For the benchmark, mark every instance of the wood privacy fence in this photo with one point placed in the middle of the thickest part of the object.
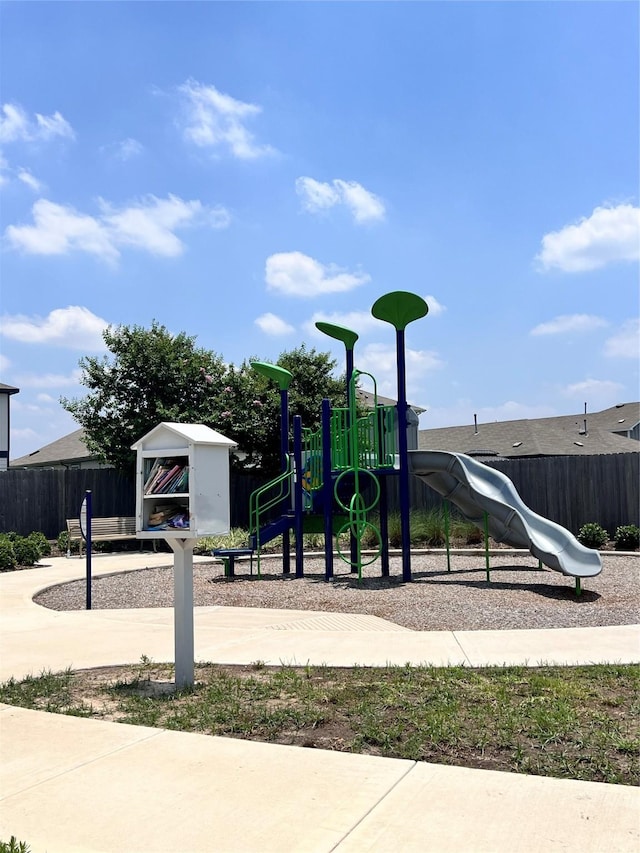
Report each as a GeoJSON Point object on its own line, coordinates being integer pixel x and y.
{"type": "Point", "coordinates": [42, 499]}
{"type": "Point", "coordinates": [571, 490]}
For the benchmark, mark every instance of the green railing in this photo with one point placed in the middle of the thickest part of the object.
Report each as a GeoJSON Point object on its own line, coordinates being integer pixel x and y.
{"type": "Point", "coordinates": [375, 441]}
{"type": "Point", "coordinates": [265, 498]}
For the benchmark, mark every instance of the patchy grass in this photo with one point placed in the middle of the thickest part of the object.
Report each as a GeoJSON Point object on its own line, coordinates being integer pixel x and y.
{"type": "Point", "coordinates": [571, 722]}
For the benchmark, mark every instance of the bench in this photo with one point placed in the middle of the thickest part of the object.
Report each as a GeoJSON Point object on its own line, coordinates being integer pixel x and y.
{"type": "Point", "coordinates": [104, 529]}
{"type": "Point", "coordinates": [228, 556]}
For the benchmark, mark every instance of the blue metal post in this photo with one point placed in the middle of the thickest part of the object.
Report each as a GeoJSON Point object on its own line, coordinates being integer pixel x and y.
{"type": "Point", "coordinates": [327, 489]}
{"type": "Point", "coordinates": [297, 495]}
{"type": "Point", "coordinates": [284, 453]}
{"type": "Point", "coordinates": [403, 453]}
{"type": "Point", "coordinates": [88, 548]}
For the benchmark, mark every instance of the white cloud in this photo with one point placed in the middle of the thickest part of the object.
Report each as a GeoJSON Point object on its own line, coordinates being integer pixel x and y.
{"type": "Point", "coordinates": [364, 205]}
{"type": "Point", "coordinates": [58, 229]}
{"type": "Point", "coordinates": [128, 148]}
{"type": "Point", "coordinates": [215, 120]}
{"type": "Point", "coordinates": [74, 327]}
{"type": "Point", "coordinates": [316, 195]}
{"type": "Point", "coordinates": [567, 324]}
{"type": "Point", "coordinates": [27, 178]}
{"type": "Point", "coordinates": [46, 398]}
{"type": "Point", "coordinates": [296, 274]}
{"type": "Point", "coordinates": [55, 125]}
{"type": "Point", "coordinates": [380, 361]}
{"type": "Point", "coordinates": [609, 234]}
{"type": "Point", "coordinates": [625, 343]}
{"type": "Point", "coordinates": [435, 308]}
{"type": "Point", "coordinates": [15, 125]}
{"type": "Point", "coordinates": [148, 224]}
{"type": "Point", "coordinates": [273, 325]}
{"type": "Point", "coordinates": [594, 388]}
{"type": "Point", "coordinates": [124, 150]}
{"type": "Point", "coordinates": [5, 364]}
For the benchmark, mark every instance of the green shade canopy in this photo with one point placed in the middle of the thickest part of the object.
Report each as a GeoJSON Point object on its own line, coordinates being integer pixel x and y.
{"type": "Point", "coordinates": [399, 308]}
{"type": "Point", "coordinates": [272, 371]}
{"type": "Point", "coordinates": [347, 337]}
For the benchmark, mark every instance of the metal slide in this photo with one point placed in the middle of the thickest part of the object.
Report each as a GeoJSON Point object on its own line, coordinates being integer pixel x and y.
{"type": "Point", "coordinates": [476, 488]}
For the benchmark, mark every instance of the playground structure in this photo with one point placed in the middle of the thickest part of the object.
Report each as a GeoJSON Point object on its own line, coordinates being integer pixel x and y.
{"type": "Point", "coordinates": [334, 478]}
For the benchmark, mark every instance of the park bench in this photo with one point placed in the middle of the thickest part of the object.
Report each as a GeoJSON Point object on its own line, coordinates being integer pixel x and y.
{"type": "Point", "coordinates": [228, 557]}
{"type": "Point", "coordinates": [104, 529]}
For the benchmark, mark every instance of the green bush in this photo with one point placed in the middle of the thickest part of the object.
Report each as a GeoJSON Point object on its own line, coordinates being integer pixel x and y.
{"type": "Point", "coordinates": [26, 551]}
{"type": "Point", "coordinates": [62, 543]}
{"type": "Point", "coordinates": [593, 535]}
{"type": "Point", "coordinates": [41, 541]}
{"type": "Point", "coordinates": [14, 846]}
{"type": "Point", "coordinates": [627, 537]}
{"type": "Point", "coordinates": [7, 554]}
{"type": "Point", "coordinates": [235, 538]}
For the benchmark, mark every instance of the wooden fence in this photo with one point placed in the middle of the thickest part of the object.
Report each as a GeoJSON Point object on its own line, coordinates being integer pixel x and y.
{"type": "Point", "coordinates": [571, 490]}
{"type": "Point", "coordinates": [42, 499]}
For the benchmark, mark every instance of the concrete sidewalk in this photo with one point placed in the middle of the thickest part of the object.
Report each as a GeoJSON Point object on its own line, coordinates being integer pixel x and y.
{"type": "Point", "coordinates": [69, 784]}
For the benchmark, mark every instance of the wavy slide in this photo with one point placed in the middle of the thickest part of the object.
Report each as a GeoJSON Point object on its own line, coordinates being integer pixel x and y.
{"type": "Point", "coordinates": [476, 488]}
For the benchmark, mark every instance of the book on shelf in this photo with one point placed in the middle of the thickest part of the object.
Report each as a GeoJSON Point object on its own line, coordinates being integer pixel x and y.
{"type": "Point", "coordinates": [164, 475]}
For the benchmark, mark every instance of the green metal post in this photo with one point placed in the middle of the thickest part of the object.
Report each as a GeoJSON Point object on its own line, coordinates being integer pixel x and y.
{"type": "Point", "coordinates": [578, 587]}
{"type": "Point", "coordinates": [486, 545]}
{"type": "Point", "coordinates": [446, 534]}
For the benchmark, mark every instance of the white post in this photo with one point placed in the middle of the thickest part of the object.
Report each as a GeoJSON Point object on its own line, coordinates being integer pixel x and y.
{"type": "Point", "coordinates": [183, 610]}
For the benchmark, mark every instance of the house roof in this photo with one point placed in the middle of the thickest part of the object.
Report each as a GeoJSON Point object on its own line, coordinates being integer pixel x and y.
{"type": "Point", "coordinates": [367, 399]}
{"type": "Point", "coordinates": [560, 436]}
{"type": "Point", "coordinates": [70, 449]}
{"type": "Point", "coordinates": [8, 389]}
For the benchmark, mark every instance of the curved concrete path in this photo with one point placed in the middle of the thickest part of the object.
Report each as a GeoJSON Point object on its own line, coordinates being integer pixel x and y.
{"type": "Point", "coordinates": [69, 784]}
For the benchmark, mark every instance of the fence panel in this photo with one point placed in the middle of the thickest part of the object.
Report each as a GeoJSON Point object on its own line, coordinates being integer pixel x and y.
{"type": "Point", "coordinates": [571, 490]}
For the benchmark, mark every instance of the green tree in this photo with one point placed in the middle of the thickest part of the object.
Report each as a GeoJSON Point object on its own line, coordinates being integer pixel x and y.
{"type": "Point", "coordinates": [252, 403]}
{"type": "Point", "coordinates": [150, 376]}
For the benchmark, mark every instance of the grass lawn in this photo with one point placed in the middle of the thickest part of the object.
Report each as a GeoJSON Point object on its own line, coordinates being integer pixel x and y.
{"type": "Point", "coordinates": [571, 722]}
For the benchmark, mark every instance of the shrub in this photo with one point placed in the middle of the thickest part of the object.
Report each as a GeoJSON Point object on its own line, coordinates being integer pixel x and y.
{"type": "Point", "coordinates": [62, 543]}
{"type": "Point", "coordinates": [466, 531]}
{"type": "Point", "coordinates": [41, 541]}
{"type": "Point", "coordinates": [627, 537]}
{"type": "Point", "coordinates": [593, 535]}
{"type": "Point", "coordinates": [26, 551]}
{"type": "Point", "coordinates": [235, 538]}
{"type": "Point", "coordinates": [7, 554]}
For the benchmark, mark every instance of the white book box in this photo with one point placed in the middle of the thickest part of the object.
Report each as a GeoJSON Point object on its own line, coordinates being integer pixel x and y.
{"type": "Point", "coordinates": [182, 482]}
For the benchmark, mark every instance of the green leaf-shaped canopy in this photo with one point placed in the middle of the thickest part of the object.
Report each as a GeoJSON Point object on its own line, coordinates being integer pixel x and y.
{"type": "Point", "coordinates": [272, 371]}
{"type": "Point", "coordinates": [340, 333]}
{"type": "Point", "coordinates": [399, 308]}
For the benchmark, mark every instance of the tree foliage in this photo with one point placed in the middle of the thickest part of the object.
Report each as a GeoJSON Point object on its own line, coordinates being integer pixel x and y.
{"type": "Point", "coordinates": [150, 376]}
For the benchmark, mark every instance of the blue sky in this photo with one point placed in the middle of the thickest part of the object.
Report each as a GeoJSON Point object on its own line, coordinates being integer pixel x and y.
{"type": "Point", "coordinates": [238, 171]}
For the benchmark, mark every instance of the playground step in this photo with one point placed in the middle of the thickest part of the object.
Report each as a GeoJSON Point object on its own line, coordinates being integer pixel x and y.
{"type": "Point", "coordinates": [228, 557]}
